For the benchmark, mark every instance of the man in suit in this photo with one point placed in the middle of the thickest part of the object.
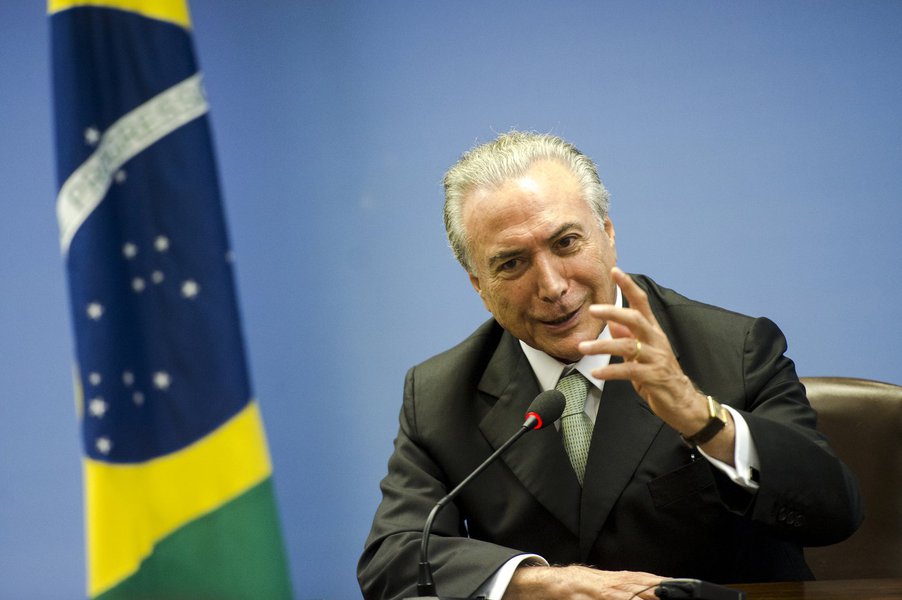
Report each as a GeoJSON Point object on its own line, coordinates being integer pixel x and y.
{"type": "Point", "coordinates": [703, 460]}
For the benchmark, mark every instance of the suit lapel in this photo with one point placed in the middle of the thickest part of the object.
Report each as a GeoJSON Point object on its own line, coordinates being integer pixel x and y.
{"type": "Point", "coordinates": [538, 460]}
{"type": "Point", "coordinates": [624, 429]}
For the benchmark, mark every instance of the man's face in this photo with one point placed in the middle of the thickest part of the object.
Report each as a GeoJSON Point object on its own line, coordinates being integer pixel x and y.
{"type": "Point", "coordinates": [539, 258]}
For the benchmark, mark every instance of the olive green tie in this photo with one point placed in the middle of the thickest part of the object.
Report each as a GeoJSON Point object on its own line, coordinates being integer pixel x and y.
{"type": "Point", "coordinates": [576, 426]}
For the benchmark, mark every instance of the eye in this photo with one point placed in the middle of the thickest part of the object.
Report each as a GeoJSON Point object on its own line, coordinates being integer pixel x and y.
{"type": "Point", "coordinates": [566, 242]}
{"type": "Point", "coordinates": [509, 265]}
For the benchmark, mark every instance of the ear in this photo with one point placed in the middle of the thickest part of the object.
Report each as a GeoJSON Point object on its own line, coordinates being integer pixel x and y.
{"type": "Point", "coordinates": [609, 230]}
{"type": "Point", "coordinates": [612, 235]}
{"type": "Point", "coordinates": [474, 281]}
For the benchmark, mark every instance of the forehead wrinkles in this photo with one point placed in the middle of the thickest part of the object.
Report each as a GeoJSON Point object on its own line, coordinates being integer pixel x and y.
{"type": "Point", "coordinates": [521, 209]}
{"type": "Point", "coordinates": [514, 203]}
{"type": "Point", "coordinates": [496, 225]}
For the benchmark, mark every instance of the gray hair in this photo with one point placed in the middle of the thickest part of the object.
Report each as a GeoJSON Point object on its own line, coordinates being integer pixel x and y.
{"type": "Point", "coordinates": [507, 157]}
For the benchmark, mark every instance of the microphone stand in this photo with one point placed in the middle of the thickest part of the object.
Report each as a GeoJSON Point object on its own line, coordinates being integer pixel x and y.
{"type": "Point", "coordinates": [425, 583]}
{"type": "Point", "coordinates": [547, 406]}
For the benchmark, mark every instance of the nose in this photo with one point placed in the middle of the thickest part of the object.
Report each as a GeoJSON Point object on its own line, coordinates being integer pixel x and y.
{"type": "Point", "coordinates": [551, 280]}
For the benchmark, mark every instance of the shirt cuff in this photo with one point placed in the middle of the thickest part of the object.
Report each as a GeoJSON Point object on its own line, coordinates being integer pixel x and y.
{"type": "Point", "coordinates": [495, 586]}
{"type": "Point", "coordinates": [745, 455]}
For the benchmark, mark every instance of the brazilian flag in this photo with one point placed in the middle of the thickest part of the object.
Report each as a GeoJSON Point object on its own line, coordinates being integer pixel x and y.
{"type": "Point", "coordinates": [178, 480]}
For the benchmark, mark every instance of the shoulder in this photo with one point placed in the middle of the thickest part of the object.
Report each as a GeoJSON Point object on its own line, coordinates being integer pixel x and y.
{"type": "Point", "coordinates": [456, 372]}
{"type": "Point", "coordinates": [680, 315]}
{"type": "Point", "coordinates": [444, 388]}
{"type": "Point", "coordinates": [692, 325]}
{"type": "Point", "coordinates": [722, 351]}
{"type": "Point", "coordinates": [475, 349]}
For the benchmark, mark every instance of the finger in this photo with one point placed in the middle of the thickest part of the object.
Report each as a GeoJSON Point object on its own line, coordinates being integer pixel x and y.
{"type": "Point", "coordinates": [637, 352]}
{"type": "Point", "coordinates": [637, 324]}
{"type": "Point", "coordinates": [628, 370]}
{"type": "Point", "coordinates": [619, 331]}
{"type": "Point", "coordinates": [635, 296]}
{"type": "Point", "coordinates": [627, 347]}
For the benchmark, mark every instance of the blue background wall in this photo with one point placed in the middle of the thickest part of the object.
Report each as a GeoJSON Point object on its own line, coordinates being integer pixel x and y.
{"type": "Point", "coordinates": [753, 151]}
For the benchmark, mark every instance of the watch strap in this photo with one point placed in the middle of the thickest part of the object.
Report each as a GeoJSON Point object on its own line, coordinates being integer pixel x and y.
{"type": "Point", "coordinates": [717, 420]}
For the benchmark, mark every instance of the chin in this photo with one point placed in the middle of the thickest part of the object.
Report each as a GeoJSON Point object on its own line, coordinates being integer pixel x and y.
{"type": "Point", "coordinates": [565, 355]}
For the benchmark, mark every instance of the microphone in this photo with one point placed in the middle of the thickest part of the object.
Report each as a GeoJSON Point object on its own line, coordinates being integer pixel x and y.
{"type": "Point", "coordinates": [546, 408]}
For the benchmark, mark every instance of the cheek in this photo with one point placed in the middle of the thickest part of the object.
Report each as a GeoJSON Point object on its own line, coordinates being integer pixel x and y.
{"type": "Point", "coordinates": [609, 254]}
{"type": "Point", "coordinates": [505, 298]}
{"type": "Point", "coordinates": [599, 263]}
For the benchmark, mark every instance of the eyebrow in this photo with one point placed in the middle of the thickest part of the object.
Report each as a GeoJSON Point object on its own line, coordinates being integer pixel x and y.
{"type": "Point", "coordinates": [505, 255]}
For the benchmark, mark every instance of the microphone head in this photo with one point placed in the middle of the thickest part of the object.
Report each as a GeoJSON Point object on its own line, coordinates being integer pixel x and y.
{"type": "Point", "coordinates": [546, 408]}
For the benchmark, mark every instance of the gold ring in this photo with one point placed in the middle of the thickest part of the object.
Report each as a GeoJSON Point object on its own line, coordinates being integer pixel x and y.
{"type": "Point", "coordinates": [638, 351]}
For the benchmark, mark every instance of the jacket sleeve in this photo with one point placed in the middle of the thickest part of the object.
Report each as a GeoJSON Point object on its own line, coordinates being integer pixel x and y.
{"type": "Point", "coordinates": [414, 484]}
{"type": "Point", "coordinates": [806, 493]}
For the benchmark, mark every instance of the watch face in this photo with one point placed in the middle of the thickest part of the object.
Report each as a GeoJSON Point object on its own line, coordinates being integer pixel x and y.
{"type": "Point", "coordinates": [716, 410]}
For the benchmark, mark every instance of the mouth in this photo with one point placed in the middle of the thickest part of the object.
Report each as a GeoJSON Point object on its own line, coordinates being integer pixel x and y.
{"type": "Point", "coordinates": [562, 321]}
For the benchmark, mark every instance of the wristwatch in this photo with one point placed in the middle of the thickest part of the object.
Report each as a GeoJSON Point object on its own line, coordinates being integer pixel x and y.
{"type": "Point", "coordinates": [717, 420]}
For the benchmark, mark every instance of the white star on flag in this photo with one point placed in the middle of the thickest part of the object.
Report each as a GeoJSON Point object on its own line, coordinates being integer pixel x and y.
{"type": "Point", "coordinates": [97, 407]}
{"type": "Point", "coordinates": [129, 250]}
{"type": "Point", "coordinates": [161, 380]}
{"type": "Point", "coordinates": [92, 136]}
{"type": "Point", "coordinates": [95, 378]}
{"type": "Point", "coordinates": [95, 311]}
{"type": "Point", "coordinates": [161, 243]}
{"type": "Point", "coordinates": [138, 284]}
{"type": "Point", "coordinates": [190, 289]}
{"type": "Point", "coordinates": [104, 445]}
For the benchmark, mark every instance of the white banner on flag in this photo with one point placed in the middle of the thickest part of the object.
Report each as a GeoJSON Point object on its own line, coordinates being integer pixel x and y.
{"type": "Point", "coordinates": [84, 190]}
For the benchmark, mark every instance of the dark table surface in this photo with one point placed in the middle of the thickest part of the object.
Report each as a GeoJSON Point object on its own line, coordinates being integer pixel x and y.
{"type": "Point", "coordinates": [857, 589]}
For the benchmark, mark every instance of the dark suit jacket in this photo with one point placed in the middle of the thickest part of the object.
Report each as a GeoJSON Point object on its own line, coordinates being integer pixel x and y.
{"type": "Point", "coordinates": [649, 502]}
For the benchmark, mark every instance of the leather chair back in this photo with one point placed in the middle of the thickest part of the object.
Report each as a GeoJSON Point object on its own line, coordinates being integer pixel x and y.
{"type": "Point", "coordinates": [863, 421]}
